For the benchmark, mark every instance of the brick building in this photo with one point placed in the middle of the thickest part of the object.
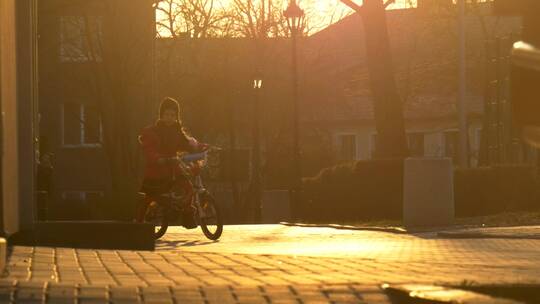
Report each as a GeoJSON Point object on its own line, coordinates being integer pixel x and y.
{"type": "Point", "coordinates": [93, 56]}
{"type": "Point", "coordinates": [424, 49]}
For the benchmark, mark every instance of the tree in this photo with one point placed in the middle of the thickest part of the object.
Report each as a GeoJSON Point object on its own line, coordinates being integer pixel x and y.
{"type": "Point", "coordinates": [192, 18]}
{"type": "Point", "coordinates": [387, 104]}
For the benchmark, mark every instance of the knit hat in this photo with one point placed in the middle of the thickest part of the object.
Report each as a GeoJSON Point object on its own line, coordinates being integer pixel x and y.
{"type": "Point", "coordinates": [169, 103]}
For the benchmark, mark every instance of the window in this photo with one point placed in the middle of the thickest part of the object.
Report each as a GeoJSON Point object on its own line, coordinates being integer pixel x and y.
{"type": "Point", "coordinates": [451, 144]}
{"type": "Point", "coordinates": [81, 125]}
{"type": "Point", "coordinates": [347, 147]}
{"type": "Point", "coordinates": [80, 38]}
{"type": "Point", "coordinates": [416, 144]}
{"type": "Point", "coordinates": [478, 136]}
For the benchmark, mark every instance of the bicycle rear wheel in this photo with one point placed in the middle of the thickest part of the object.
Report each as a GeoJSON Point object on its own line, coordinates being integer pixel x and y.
{"type": "Point", "coordinates": [210, 218]}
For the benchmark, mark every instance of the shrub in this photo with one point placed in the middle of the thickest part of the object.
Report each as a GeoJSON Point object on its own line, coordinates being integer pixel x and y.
{"type": "Point", "coordinates": [360, 190]}
{"type": "Point", "coordinates": [374, 190]}
{"type": "Point", "coordinates": [489, 190]}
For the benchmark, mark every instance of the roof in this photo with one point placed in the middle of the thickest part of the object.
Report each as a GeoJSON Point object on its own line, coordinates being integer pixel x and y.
{"type": "Point", "coordinates": [424, 50]}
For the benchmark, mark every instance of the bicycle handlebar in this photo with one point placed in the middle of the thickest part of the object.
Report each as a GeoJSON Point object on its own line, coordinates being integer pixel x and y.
{"type": "Point", "coordinates": [191, 157]}
{"type": "Point", "coordinates": [194, 156]}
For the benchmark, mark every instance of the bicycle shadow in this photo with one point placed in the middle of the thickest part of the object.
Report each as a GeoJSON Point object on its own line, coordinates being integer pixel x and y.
{"type": "Point", "coordinates": [172, 244]}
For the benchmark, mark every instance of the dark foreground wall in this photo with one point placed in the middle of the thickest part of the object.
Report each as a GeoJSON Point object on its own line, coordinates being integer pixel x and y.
{"type": "Point", "coordinates": [18, 78]}
{"type": "Point", "coordinates": [8, 103]}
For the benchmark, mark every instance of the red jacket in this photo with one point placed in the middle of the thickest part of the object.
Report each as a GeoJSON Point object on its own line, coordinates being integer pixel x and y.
{"type": "Point", "coordinates": [159, 141]}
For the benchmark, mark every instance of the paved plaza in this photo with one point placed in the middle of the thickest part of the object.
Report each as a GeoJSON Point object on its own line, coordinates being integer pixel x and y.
{"type": "Point", "coordinates": [271, 264]}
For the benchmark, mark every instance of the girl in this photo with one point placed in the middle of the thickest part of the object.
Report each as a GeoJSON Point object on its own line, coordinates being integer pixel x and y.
{"type": "Point", "coordinates": [161, 142]}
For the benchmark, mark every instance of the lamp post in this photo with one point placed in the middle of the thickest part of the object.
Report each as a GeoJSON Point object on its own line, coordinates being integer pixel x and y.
{"type": "Point", "coordinates": [256, 170]}
{"type": "Point", "coordinates": [462, 109]}
{"type": "Point", "coordinates": [295, 15]}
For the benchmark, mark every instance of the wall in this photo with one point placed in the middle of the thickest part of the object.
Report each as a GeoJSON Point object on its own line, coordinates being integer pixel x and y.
{"type": "Point", "coordinates": [8, 99]}
{"type": "Point", "coordinates": [123, 74]}
{"type": "Point", "coordinates": [27, 91]}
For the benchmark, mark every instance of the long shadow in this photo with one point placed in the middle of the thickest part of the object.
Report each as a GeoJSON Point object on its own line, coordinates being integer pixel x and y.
{"type": "Point", "coordinates": [167, 244]}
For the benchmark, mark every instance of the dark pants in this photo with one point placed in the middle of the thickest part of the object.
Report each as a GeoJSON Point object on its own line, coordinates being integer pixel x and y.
{"type": "Point", "coordinates": [152, 189]}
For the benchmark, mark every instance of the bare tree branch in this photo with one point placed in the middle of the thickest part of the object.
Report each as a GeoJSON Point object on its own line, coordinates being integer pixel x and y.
{"type": "Point", "coordinates": [388, 2]}
{"type": "Point", "coordinates": [357, 8]}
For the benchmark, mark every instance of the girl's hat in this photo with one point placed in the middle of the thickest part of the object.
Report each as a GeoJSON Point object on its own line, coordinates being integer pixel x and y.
{"type": "Point", "coordinates": [169, 103]}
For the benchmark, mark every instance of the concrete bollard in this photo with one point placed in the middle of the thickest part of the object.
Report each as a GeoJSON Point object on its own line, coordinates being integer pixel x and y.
{"type": "Point", "coordinates": [275, 206]}
{"type": "Point", "coordinates": [428, 192]}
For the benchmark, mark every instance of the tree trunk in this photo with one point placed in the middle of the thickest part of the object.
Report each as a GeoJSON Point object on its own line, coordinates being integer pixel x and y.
{"type": "Point", "coordinates": [387, 104]}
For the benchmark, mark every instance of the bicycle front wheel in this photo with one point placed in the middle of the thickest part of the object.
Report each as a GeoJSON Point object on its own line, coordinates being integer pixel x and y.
{"type": "Point", "coordinates": [210, 218]}
{"type": "Point", "coordinates": [157, 215]}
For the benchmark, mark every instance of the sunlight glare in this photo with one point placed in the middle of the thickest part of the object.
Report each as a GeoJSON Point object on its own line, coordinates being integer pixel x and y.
{"type": "Point", "coordinates": [319, 13]}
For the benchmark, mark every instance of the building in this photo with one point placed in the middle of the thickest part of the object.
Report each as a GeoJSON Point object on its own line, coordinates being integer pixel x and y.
{"type": "Point", "coordinates": [96, 84]}
{"type": "Point", "coordinates": [526, 67]}
{"type": "Point", "coordinates": [336, 104]}
{"type": "Point", "coordinates": [425, 60]}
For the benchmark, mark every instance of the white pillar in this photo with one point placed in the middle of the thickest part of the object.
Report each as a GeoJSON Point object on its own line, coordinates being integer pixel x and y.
{"type": "Point", "coordinates": [428, 192]}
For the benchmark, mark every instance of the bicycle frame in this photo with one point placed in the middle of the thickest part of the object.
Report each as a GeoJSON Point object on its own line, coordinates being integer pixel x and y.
{"type": "Point", "coordinates": [195, 183]}
{"type": "Point", "coordinates": [185, 195]}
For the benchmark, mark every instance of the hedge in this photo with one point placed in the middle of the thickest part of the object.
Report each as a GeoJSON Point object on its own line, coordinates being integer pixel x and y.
{"type": "Point", "coordinates": [360, 190]}
{"type": "Point", "coordinates": [489, 190]}
{"type": "Point", "coordinates": [374, 190]}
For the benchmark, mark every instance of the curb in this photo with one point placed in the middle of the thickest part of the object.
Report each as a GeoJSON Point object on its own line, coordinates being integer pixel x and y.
{"type": "Point", "coordinates": [433, 294]}
{"type": "Point", "coordinates": [442, 232]}
{"type": "Point", "coordinates": [397, 230]}
{"type": "Point", "coordinates": [481, 235]}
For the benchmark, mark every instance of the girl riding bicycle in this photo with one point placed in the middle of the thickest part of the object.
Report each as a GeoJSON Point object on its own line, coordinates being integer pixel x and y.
{"type": "Point", "coordinates": [161, 143]}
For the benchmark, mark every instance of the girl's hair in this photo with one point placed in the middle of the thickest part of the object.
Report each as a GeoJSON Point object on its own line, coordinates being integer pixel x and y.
{"type": "Point", "coordinates": [169, 103]}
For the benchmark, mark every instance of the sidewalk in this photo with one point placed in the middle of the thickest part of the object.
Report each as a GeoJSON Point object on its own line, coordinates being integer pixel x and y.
{"type": "Point", "coordinates": [161, 277]}
{"type": "Point", "coordinates": [266, 264]}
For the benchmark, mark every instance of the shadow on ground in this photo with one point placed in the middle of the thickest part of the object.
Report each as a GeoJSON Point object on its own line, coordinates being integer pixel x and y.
{"type": "Point", "coordinates": [172, 245]}
{"type": "Point", "coordinates": [526, 293]}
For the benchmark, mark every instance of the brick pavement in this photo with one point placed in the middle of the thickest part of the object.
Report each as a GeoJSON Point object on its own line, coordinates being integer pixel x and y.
{"type": "Point", "coordinates": [203, 272]}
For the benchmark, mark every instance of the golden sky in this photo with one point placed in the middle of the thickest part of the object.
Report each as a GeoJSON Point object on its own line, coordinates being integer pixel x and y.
{"type": "Point", "coordinates": [322, 12]}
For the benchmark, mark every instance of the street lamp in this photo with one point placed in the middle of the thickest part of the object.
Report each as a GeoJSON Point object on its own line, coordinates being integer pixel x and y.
{"type": "Point", "coordinates": [462, 115]}
{"type": "Point", "coordinates": [295, 16]}
{"type": "Point", "coordinates": [256, 170]}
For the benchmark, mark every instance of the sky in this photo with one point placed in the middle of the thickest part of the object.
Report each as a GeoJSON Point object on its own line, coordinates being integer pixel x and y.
{"type": "Point", "coordinates": [324, 12]}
